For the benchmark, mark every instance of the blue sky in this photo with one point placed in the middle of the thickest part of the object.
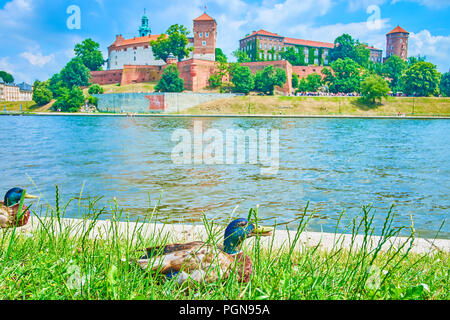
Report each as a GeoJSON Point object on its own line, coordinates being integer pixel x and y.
{"type": "Point", "coordinates": [35, 41]}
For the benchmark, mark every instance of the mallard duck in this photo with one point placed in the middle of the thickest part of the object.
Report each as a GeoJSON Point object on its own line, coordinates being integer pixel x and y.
{"type": "Point", "coordinates": [9, 209]}
{"type": "Point", "coordinates": [204, 262]}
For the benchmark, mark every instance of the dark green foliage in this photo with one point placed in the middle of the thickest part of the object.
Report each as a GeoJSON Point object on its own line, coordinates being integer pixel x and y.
{"type": "Point", "coordinates": [295, 80]}
{"type": "Point", "coordinates": [268, 78]}
{"type": "Point", "coordinates": [41, 93]}
{"type": "Point", "coordinates": [220, 56]}
{"type": "Point", "coordinates": [311, 83]}
{"type": "Point", "coordinates": [170, 80]}
{"type": "Point", "coordinates": [393, 68]}
{"type": "Point", "coordinates": [92, 100]}
{"type": "Point", "coordinates": [75, 73]}
{"type": "Point", "coordinates": [373, 88]}
{"type": "Point", "coordinates": [90, 54]}
{"type": "Point", "coordinates": [445, 84]}
{"type": "Point", "coordinates": [346, 77]}
{"type": "Point", "coordinates": [174, 42]}
{"type": "Point", "coordinates": [421, 79]}
{"type": "Point", "coordinates": [6, 77]}
{"type": "Point", "coordinates": [70, 100]}
{"type": "Point", "coordinates": [346, 47]}
{"type": "Point", "coordinates": [95, 89]}
{"type": "Point", "coordinates": [295, 58]}
{"type": "Point", "coordinates": [215, 80]}
{"type": "Point", "coordinates": [241, 56]}
{"type": "Point", "coordinates": [242, 78]}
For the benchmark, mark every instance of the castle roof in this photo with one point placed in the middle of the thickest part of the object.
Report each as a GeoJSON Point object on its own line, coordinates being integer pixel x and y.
{"type": "Point", "coordinates": [264, 33]}
{"type": "Point", "coordinates": [204, 17]}
{"type": "Point", "coordinates": [309, 43]}
{"type": "Point", "coordinates": [120, 41]}
{"type": "Point", "coordinates": [398, 29]}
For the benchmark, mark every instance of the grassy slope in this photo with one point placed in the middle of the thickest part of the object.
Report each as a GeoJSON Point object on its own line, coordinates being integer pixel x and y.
{"type": "Point", "coordinates": [43, 265]}
{"type": "Point", "coordinates": [322, 106]}
{"type": "Point", "coordinates": [138, 87]}
{"type": "Point", "coordinates": [27, 106]}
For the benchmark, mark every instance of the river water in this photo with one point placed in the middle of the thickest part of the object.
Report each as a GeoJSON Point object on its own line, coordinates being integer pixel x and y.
{"type": "Point", "coordinates": [335, 164]}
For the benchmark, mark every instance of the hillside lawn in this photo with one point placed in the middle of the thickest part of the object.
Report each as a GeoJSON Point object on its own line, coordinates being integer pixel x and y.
{"type": "Point", "coordinates": [281, 105]}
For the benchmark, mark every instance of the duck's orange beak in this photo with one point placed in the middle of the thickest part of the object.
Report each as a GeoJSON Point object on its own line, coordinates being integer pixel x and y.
{"type": "Point", "coordinates": [30, 196]}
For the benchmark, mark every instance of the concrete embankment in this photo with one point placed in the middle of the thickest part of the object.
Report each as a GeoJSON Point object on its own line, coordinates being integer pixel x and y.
{"type": "Point", "coordinates": [281, 239]}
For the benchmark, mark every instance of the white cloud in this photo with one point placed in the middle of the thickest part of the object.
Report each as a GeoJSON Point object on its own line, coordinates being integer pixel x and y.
{"type": "Point", "coordinates": [14, 12]}
{"type": "Point", "coordinates": [435, 48]}
{"type": "Point", "coordinates": [37, 59]}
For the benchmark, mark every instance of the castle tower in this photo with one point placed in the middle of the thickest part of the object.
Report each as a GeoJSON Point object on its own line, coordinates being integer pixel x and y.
{"type": "Point", "coordinates": [205, 35]}
{"type": "Point", "coordinates": [397, 43]}
{"type": "Point", "coordinates": [144, 29]}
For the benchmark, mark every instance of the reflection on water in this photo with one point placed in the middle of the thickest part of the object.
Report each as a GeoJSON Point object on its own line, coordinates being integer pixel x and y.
{"type": "Point", "coordinates": [335, 164]}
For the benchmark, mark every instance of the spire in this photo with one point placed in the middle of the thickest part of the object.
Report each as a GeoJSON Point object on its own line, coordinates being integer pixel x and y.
{"type": "Point", "coordinates": [144, 29]}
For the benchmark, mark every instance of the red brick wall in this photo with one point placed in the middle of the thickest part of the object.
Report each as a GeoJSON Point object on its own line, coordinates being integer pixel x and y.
{"type": "Point", "coordinates": [106, 77]}
{"type": "Point", "coordinates": [304, 71]}
{"type": "Point", "coordinates": [283, 64]}
{"type": "Point", "coordinates": [196, 73]}
{"type": "Point", "coordinates": [203, 27]}
{"type": "Point", "coordinates": [138, 74]}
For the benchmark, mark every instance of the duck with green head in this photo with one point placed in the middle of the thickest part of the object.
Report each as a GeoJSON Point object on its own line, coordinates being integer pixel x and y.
{"type": "Point", "coordinates": [9, 209]}
{"type": "Point", "coordinates": [204, 262]}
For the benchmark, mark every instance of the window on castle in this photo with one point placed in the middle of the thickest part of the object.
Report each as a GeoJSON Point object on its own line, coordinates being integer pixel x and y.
{"type": "Point", "coordinates": [203, 43]}
{"type": "Point", "coordinates": [200, 34]}
{"type": "Point", "coordinates": [206, 34]}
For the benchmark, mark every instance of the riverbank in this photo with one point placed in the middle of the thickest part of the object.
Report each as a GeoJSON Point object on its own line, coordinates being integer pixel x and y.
{"type": "Point", "coordinates": [324, 106]}
{"type": "Point", "coordinates": [280, 106]}
{"type": "Point", "coordinates": [57, 258]}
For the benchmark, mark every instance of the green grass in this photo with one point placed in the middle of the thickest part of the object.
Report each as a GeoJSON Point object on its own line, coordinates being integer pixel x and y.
{"type": "Point", "coordinates": [276, 105]}
{"type": "Point", "coordinates": [49, 265]}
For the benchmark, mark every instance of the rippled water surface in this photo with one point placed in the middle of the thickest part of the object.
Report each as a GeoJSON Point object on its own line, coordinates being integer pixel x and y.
{"type": "Point", "coordinates": [335, 164]}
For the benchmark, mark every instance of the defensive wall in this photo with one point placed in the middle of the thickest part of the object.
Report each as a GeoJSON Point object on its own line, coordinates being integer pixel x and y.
{"type": "Point", "coordinates": [154, 102]}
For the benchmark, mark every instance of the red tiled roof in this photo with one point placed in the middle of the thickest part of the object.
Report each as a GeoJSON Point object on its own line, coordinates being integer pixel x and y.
{"type": "Point", "coordinates": [371, 48]}
{"type": "Point", "coordinates": [263, 33]}
{"type": "Point", "coordinates": [137, 40]}
{"type": "Point", "coordinates": [204, 17]}
{"type": "Point", "coordinates": [309, 43]}
{"type": "Point", "coordinates": [398, 29]}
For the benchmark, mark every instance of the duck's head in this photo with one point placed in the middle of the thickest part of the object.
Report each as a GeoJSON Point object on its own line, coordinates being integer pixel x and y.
{"type": "Point", "coordinates": [239, 230]}
{"type": "Point", "coordinates": [13, 196]}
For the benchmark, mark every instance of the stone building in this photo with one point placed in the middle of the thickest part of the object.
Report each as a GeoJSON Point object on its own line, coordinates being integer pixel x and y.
{"type": "Point", "coordinates": [13, 92]}
{"type": "Point", "coordinates": [267, 46]}
{"type": "Point", "coordinates": [205, 36]}
{"type": "Point", "coordinates": [397, 43]}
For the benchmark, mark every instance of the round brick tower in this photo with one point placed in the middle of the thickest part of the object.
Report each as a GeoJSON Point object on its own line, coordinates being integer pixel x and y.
{"type": "Point", "coordinates": [205, 34]}
{"type": "Point", "coordinates": [397, 43]}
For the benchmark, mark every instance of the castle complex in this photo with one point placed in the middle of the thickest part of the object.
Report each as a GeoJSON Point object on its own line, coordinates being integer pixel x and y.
{"type": "Point", "coordinates": [132, 60]}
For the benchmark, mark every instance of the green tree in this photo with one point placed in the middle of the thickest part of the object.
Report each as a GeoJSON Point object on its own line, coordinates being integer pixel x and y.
{"type": "Point", "coordinates": [413, 60]}
{"type": "Point", "coordinates": [394, 67]}
{"type": "Point", "coordinates": [346, 77]}
{"type": "Point", "coordinates": [445, 84]}
{"type": "Point", "coordinates": [6, 77]}
{"type": "Point", "coordinates": [295, 80]}
{"type": "Point", "coordinates": [75, 73]}
{"type": "Point", "coordinates": [311, 83]}
{"type": "Point", "coordinates": [241, 56]}
{"type": "Point", "coordinates": [95, 89]}
{"type": "Point", "coordinates": [170, 80]}
{"type": "Point", "coordinates": [421, 79]}
{"type": "Point", "coordinates": [41, 93]}
{"type": "Point", "coordinates": [268, 78]}
{"type": "Point", "coordinates": [295, 58]}
{"type": "Point", "coordinates": [220, 56]}
{"type": "Point", "coordinates": [373, 88]}
{"type": "Point", "coordinates": [174, 42]}
{"type": "Point", "coordinates": [346, 47]}
{"type": "Point", "coordinates": [215, 80]}
{"type": "Point", "coordinates": [90, 54]}
{"type": "Point", "coordinates": [70, 100]}
{"type": "Point", "coordinates": [242, 78]}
